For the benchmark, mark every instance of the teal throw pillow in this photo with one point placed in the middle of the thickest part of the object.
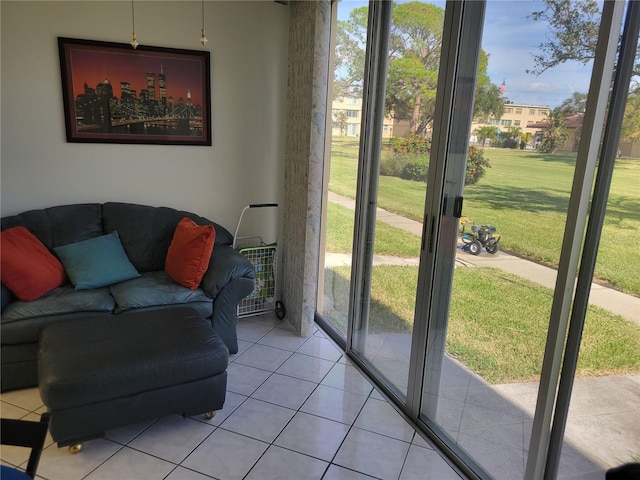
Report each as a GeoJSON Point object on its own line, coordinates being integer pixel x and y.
{"type": "Point", "coordinates": [96, 262]}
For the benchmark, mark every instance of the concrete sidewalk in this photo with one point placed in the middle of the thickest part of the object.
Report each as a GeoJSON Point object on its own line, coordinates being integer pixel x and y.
{"type": "Point", "coordinates": [616, 302]}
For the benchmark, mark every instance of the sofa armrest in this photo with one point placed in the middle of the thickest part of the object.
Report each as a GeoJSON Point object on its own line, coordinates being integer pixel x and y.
{"type": "Point", "coordinates": [225, 266]}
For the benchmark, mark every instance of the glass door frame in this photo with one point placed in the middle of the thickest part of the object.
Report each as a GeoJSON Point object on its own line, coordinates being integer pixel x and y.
{"type": "Point", "coordinates": [443, 206]}
{"type": "Point", "coordinates": [375, 70]}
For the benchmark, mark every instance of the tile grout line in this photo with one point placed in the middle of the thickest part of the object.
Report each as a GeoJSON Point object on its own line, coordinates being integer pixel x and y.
{"type": "Point", "coordinates": [290, 420]}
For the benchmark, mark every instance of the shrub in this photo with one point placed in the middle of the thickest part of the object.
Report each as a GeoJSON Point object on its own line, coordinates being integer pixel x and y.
{"type": "Point", "coordinates": [417, 170]}
{"type": "Point", "coordinates": [410, 159]}
{"type": "Point", "coordinates": [411, 145]}
{"type": "Point", "coordinates": [392, 165]}
{"type": "Point", "coordinates": [476, 165]}
{"type": "Point", "coordinates": [416, 167]}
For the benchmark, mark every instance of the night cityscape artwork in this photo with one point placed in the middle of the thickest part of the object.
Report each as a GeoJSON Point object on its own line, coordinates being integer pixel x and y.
{"type": "Point", "coordinates": [115, 94]}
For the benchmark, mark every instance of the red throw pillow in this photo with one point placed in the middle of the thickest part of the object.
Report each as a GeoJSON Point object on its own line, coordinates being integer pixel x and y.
{"type": "Point", "coordinates": [189, 252]}
{"type": "Point", "coordinates": [28, 269]}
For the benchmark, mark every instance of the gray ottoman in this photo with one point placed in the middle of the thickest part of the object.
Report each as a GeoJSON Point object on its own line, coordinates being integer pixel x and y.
{"type": "Point", "coordinates": [101, 373]}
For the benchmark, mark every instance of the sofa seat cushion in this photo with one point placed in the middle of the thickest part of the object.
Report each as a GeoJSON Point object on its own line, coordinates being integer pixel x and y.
{"type": "Point", "coordinates": [26, 332]}
{"type": "Point", "coordinates": [62, 300]}
{"type": "Point", "coordinates": [155, 289]}
{"type": "Point", "coordinates": [98, 359]}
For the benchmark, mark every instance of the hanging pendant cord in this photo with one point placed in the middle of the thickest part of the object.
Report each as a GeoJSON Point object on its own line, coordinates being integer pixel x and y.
{"type": "Point", "coordinates": [134, 42]}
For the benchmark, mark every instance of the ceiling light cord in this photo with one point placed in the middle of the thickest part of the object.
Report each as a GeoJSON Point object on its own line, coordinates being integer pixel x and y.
{"type": "Point", "coordinates": [203, 38]}
{"type": "Point", "coordinates": [134, 42]}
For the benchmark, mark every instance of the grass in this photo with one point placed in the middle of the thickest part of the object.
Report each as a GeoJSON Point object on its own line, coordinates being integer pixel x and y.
{"type": "Point", "coordinates": [491, 332]}
{"type": "Point", "coordinates": [497, 323]}
{"type": "Point", "coordinates": [525, 195]}
{"type": "Point", "coordinates": [389, 240]}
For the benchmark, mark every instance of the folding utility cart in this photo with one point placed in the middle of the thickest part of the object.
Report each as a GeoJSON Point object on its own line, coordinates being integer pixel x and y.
{"type": "Point", "coordinates": [264, 258]}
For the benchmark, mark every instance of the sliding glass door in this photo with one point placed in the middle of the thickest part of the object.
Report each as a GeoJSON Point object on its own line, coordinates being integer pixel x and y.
{"type": "Point", "coordinates": [489, 320]}
{"type": "Point", "coordinates": [393, 180]}
{"type": "Point", "coordinates": [454, 219]}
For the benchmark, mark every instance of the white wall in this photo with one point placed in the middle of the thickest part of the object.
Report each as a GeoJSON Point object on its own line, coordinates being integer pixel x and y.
{"type": "Point", "coordinates": [248, 44]}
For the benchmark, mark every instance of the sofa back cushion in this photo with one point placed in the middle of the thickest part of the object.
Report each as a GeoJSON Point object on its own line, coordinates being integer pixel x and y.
{"type": "Point", "coordinates": [61, 225]}
{"type": "Point", "coordinates": [146, 231]}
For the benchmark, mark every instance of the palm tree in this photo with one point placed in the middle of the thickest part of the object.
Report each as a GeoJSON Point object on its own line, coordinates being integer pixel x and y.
{"type": "Point", "coordinates": [485, 132]}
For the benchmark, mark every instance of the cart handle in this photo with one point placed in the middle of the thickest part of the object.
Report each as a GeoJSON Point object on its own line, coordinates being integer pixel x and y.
{"type": "Point", "coordinates": [260, 205]}
{"type": "Point", "coordinates": [253, 205]}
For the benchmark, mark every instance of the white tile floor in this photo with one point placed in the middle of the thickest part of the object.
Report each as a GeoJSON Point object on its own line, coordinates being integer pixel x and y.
{"type": "Point", "coordinates": [295, 409]}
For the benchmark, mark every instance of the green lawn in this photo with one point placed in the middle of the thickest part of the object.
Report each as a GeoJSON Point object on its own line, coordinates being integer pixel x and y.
{"type": "Point", "coordinates": [498, 322]}
{"type": "Point", "coordinates": [489, 330]}
{"type": "Point", "coordinates": [389, 240]}
{"type": "Point", "coordinates": [491, 333]}
{"type": "Point", "coordinates": [525, 195]}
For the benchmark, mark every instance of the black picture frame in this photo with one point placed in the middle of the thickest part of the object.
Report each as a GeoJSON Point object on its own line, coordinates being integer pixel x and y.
{"type": "Point", "coordinates": [113, 93]}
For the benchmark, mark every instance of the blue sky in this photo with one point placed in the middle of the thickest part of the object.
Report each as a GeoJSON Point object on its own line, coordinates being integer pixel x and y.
{"type": "Point", "coordinates": [509, 38]}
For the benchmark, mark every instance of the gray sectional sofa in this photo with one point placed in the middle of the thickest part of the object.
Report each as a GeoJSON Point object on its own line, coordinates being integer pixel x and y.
{"type": "Point", "coordinates": [146, 233]}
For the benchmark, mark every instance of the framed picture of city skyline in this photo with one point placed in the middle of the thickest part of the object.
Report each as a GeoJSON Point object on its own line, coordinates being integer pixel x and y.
{"type": "Point", "coordinates": [113, 93]}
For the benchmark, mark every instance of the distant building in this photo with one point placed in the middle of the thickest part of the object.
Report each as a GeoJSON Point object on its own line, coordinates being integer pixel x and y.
{"type": "Point", "coordinates": [151, 85]}
{"type": "Point", "coordinates": [347, 110]}
{"type": "Point", "coordinates": [630, 149]}
{"type": "Point", "coordinates": [524, 117]}
{"type": "Point", "coordinates": [346, 116]}
{"type": "Point", "coordinates": [573, 125]}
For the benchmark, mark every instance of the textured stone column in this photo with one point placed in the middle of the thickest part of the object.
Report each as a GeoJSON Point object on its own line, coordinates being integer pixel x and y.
{"type": "Point", "coordinates": [308, 73]}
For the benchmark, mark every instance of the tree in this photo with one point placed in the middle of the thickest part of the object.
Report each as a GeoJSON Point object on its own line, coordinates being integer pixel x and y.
{"type": "Point", "coordinates": [349, 54]}
{"type": "Point", "coordinates": [485, 132]}
{"type": "Point", "coordinates": [514, 132]}
{"type": "Point", "coordinates": [488, 99]}
{"type": "Point", "coordinates": [555, 134]}
{"type": "Point", "coordinates": [631, 122]}
{"type": "Point", "coordinates": [574, 105]}
{"type": "Point", "coordinates": [511, 138]}
{"type": "Point", "coordinates": [341, 121]}
{"type": "Point", "coordinates": [572, 34]}
{"type": "Point", "coordinates": [414, 59]}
